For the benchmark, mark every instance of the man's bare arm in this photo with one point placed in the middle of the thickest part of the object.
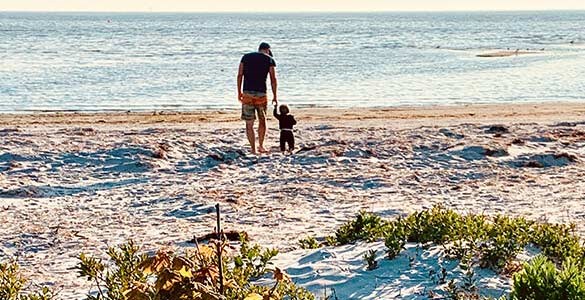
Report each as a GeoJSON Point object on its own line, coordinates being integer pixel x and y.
{"type": "Point", "coordinates": [240, 79]}
{"type": "Point", "coordinates": [274, 84]}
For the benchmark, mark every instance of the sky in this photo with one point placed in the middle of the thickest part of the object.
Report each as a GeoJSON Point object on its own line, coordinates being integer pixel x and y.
{"type": "Point", "coordinates": [284, 5]}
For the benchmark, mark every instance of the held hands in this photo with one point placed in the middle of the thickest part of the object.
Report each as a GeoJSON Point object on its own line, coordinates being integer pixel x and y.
{"type": "Point", "coordinates": [274, 101]}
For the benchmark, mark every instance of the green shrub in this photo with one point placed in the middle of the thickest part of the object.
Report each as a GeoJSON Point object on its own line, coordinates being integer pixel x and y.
{"type": "Point", "coordinates": [494, 241]}
{"type": "Point", "coordinates": [12, 284]}
{"type": "Point", "coordinates": [252, 262]}
{"type": "Point", "coordinates": [490, 242]}
{"type": "Point", "coordinates": [506, 237]}
{"type": "Point", "coordinates": [190, 275]}
{"type": "Point", "coordinates": [540, 279]}
{"type": "Point", "coordinates": [557, 241]}
{"type": "Point", "coordinates": [436, 225]}
{"type": "Point", "coordinates": [309, 243]}
{"type": "Point", "coordinates": [113, 283]}
{"type": "Point", "coordinates": [366, 227]}
{"type": "Point", "coordinates": [370, 258]}
{"type": "Point", "coordinates": [395, 239]}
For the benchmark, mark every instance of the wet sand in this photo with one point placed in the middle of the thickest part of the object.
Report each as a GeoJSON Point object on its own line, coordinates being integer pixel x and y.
{"type": "Point", "coordinates": [528, 112]}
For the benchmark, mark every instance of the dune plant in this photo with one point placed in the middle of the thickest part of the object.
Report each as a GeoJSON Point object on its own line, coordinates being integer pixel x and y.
{"type": "Point", "coordinates": [366, 227]}
{"type": "Point", "coordinates": [488, 242]}
{"type": "Point", "coordinates": [557, 241]}
{"type": "Point", "coordinates": [542, 280]}
{"type": "Point", "coordinates": [12, 285]}
{"type": "Point", "coordinates": [251, 262]}
{"type": "Point", "coordinates": [194, 274]}
{"type": "Point", "coordinates": [395, 239]}
{"type": "Point", "coordinates": [506, 237]}
{"type": "Point", "coordinates": [435, 225]}
{"type": "Point", "coordinates": [309, 243]}
{"type": "Point", "coordinates": [370, 258]}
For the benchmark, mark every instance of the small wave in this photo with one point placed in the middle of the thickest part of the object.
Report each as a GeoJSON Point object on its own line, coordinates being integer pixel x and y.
{"type": "Point", "coordinates": [387, 46]}
{"type": "Point", "coordinates": [15, 30]}
{"type": "Point", "coordinates": [176, 54]}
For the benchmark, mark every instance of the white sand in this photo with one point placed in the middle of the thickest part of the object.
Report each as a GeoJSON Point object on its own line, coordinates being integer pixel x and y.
{"type": "Point", "coordinates": [76, 183]}
{"type": "Point", "coordinates": [417, 273]}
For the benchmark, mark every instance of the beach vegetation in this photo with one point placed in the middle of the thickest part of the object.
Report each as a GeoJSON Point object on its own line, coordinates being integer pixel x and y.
{"type": "Point", "coordinates": [366, 227]}
{"type": "Point", "coordinates": [395, 239]}
{"type": "Point", "coordinates": [130, 274]}
{"type": "Point", "coordinates": [13, 285]}
{"type": "Point", "coordinates": [126, 272]}
{"type": "Point", "coordinates": [252, 261]}
{"type": "Point", "coordinates": [370, 259]}
{"type": "Point", "coordinates": [309, 243]}
{"type": "Point", "coordinates": [542, 279]}
{"type": "Point", "coordinates": [466, 287]}
{"type": "Point", "coordinates": [435, 225]}
{"type": "Point", "coordinates": [492, 242]}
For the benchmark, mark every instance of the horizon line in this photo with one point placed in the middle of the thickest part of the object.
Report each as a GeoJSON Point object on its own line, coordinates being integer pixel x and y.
{"type": "Point", "coordinates": [292, 12]}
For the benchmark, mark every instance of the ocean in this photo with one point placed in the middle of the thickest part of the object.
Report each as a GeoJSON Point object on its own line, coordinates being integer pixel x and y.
{"type": "Point", "coordinates": [151, 61]}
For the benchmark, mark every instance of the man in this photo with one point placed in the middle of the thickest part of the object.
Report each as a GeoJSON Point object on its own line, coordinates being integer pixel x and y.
{"type": "Point", "coordinates": [254, 69]}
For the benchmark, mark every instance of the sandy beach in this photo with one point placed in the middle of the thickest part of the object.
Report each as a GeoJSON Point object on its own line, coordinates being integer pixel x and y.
{"type": "Point", "coordinates": [73, 182]}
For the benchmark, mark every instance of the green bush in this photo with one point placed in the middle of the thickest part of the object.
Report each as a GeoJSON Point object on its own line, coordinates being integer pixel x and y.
{"type": "Point", "coordinates": [309, 243]}
{"type": "Point", "coordinates": [436, 225]}
{"type": "Point", "coordinates": [12, 284]}
{"type": "Point", "coordinates": [540, 279]}
{"type": "Point", "coordinates": [251, 262]}
{"type": "Point", "coordinates": [366, 227]}
{"type": "Point", "coordinates": [113, 283]}
{"type": "Point", "coordinates": [370, 259]}
{"type": "Point", "coordinates": [506, 237]}
{"type": "Point", "coordinates": [557, 241]}
{"type": "Point", "coordinates": [493, 242]}
{"type": "Point", "coordinates": [395, 239]}
{"type": "Point", "coordinates": [130, 275]}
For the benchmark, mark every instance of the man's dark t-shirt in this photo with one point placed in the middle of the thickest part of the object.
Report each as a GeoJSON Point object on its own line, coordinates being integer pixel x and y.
{"type": "Point", "coordinates": [256, 67]}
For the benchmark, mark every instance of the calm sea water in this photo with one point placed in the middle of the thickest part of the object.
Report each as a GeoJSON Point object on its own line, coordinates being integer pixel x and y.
{"type": "Point", "coordinates": [106, 61]}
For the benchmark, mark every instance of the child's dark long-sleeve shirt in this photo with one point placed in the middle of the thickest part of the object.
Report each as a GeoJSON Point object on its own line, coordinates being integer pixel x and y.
{"type": "Point", "coordinates": [284, 121]}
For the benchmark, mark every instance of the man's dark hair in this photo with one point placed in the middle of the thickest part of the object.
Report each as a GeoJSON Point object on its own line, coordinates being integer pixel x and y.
{"type": "Point", "coordinates": [265, 46]}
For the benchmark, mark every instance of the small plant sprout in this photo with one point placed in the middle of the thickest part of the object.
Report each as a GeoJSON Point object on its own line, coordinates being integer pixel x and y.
{"type": "Point", "coordinates": [309, 243]}
{"type": "Point", "coordinates": [370, 258]}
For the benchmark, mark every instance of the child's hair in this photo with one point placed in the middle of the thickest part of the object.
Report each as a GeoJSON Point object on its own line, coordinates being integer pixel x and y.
{"type": "Point", "coordinates": [283, 108]}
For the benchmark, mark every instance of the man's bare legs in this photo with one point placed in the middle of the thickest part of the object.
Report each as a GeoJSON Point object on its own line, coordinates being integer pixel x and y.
{"type": "Point", "coordinates": [261, 134]}
{"type": "Point", "coordinates": [250, 134]}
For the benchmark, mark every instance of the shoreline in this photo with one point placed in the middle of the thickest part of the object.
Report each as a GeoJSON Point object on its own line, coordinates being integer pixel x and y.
{"type": "Point", "coordinates": [526, 112]}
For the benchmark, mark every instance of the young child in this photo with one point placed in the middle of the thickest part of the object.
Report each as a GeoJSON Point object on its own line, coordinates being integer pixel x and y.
{"type": "Point", "coordinates": [285, 123]}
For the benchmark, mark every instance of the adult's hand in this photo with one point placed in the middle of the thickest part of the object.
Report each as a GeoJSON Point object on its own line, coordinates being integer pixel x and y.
{"type": "Point", "coordinates": [274, 101]}
{"type": "Point", "coordinates": [240, 97]}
